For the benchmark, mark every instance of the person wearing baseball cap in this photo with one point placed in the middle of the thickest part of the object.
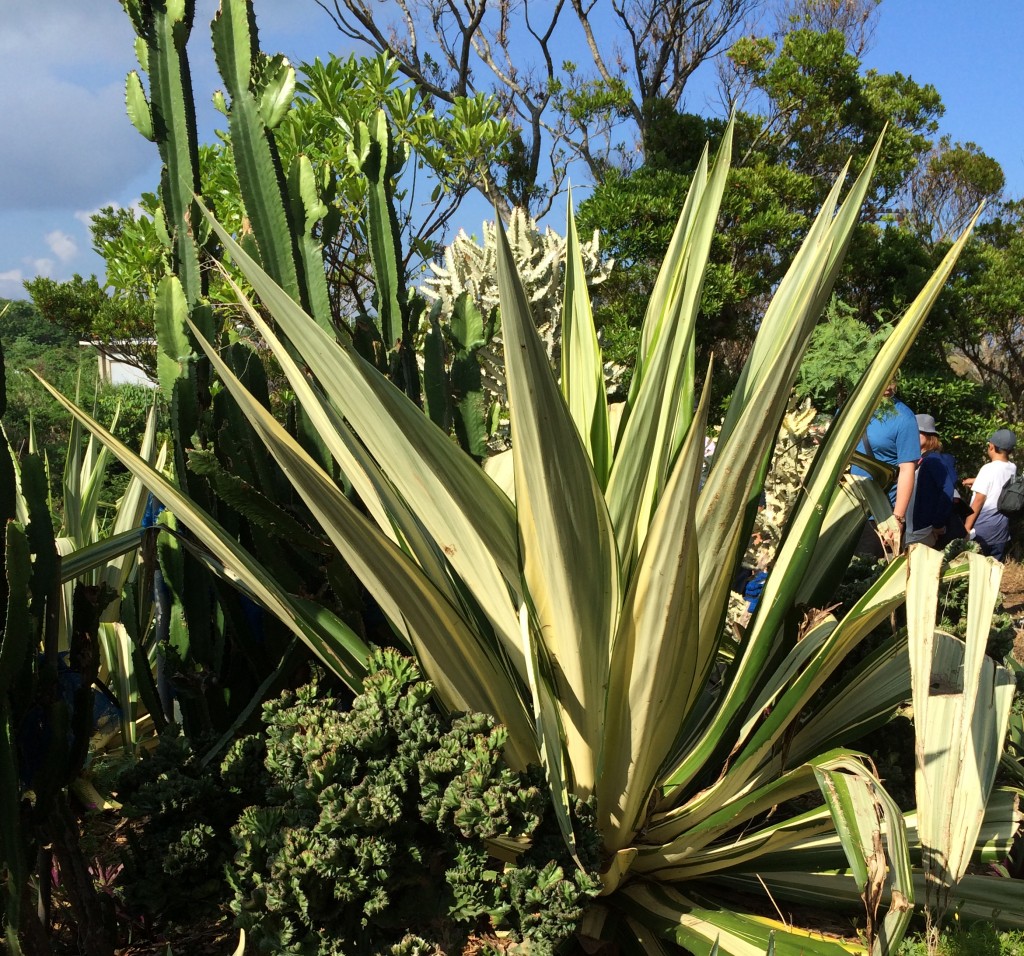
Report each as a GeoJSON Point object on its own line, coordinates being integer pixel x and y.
{"type": "Point", "coordinates": [986, 523]}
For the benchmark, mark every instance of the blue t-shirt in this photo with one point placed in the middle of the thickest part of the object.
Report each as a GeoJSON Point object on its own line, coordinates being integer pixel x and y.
{"type": "Point", "coordinates": [894, 439]}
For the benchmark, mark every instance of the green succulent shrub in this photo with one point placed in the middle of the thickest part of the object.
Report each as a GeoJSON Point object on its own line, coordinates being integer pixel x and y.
{"type": "Point", "coordinates": [384, 820]}
{"type": "Point", "coordinates": [182, 810]}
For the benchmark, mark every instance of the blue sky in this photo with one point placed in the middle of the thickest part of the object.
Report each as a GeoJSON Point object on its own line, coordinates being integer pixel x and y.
{"type": "Point", "coordinates": [67, 147]}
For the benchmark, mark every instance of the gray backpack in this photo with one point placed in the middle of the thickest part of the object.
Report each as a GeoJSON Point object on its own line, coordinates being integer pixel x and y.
{"type": "Point", "coordinates": [1011, 498]}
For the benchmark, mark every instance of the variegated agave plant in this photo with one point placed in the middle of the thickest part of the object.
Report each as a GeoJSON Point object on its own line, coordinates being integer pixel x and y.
{"type": "Point", "coordinates": [582, 604]}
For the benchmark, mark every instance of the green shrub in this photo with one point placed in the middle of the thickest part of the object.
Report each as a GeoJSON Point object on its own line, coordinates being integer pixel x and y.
{"type": "Point", "coordinates": [381, 821]}
{"type": "Point", "coordinates": [183, 811]}
{"type": "Point", "coordinates": [980, 939]}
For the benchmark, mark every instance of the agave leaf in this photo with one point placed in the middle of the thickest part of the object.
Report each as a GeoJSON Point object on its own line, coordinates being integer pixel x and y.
{"type": "Point", "coordinates": [765, 730]}
{"type": "Point", "coordinates": [649, 944]}
{"type": "Point", "coordinates": [468, 517]}
{"type": "Point", "coordinates": [570, 566]}
{"type": "Point", "coordinates": [979, 899]}
{"type": "Point", "coordinates": [347, 659]}
{"type": "Point", "coordinates": [825, 852]}
{"type": "Point", "coordinates": [670, 276]}
{"type": "Point", "coordinates": [853, 500]}
{"type": "Point", "coordinates": [117, 653]}
{"type": "Point", "coordinates": [871, 829]}
{"type": "Point", "coordinates": [961, 711]}
{"type": "Point", "coordinates": [467, 673]}
{"type": "Point", "coordinates": [130, 510]}
{"type": "Point", "coordinates": [73, 482]}
{"type": "Point", "coordinates": [867, 821]}
{"type": "Point", "coordinates": [658, 667]}
{"type": "Point", "coordinates": [547, 714]}
{"type": "Point", "coordinates": [797, 551]}
{"type": "Point", "coordinates": [385, 506]}
{"type": "Point", "coordinates": [712, 844]}
{"type": "Point", "coordinates": [94, 473]}
{"type": "Point", "coordinates": [77, 562]}
{"type": "Point", "coordinates": [699, 925]}
{"type": "Point", "coordinates": [660, 409]}
{"type": "Point", "coordinates": [760, 398]}
{"type": "Point", "coordinates": [777, 352]}
{"type": "Point", "coordinates": [866, 701]}
{"type": "Point", "coordinates": [813, 643]}
{"type": "Point", "coordinates": [582, 367]}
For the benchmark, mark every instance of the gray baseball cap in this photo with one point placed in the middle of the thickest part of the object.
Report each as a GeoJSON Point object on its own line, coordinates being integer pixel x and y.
{"type": "Point", "coordinates": [1004, 438]}
{"type": "Point", "coordinates": [926, 425]}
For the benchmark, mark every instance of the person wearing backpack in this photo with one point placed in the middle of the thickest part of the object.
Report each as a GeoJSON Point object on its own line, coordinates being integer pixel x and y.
{"type": "Point", "coordinates": [986, 524]}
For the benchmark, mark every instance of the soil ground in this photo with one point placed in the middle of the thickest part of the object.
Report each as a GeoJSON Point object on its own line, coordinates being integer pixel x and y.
{"type": "Point", "coordinates": [1013, 601]}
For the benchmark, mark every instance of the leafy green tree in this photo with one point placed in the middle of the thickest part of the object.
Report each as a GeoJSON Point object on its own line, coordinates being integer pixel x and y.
{"type": "Point", "coordinates": [946, 189]}
{"type": "Point", "coordinates": [839, 353]}
{"type": "Point", "coordinates": [118, 325]}
{"type": "Point", "coordinates": [33, 345]}
{"type": "Point", "coordinates": [818, 109]}
{"type": "Point", "coordinates": [983, 310]}
{"type": "Point", "coordinates": [811, 108]}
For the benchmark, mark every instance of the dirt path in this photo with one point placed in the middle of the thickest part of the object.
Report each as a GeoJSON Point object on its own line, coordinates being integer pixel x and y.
{"type": "Point", "coordinates": [1013, 601]}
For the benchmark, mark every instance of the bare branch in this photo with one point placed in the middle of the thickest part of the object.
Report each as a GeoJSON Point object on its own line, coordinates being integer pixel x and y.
{"type": "Point", "coordinates": [639, 50]}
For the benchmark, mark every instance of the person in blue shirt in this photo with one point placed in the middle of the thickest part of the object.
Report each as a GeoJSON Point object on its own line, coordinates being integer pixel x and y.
{"type": "Point", "coordinates": [892, 438]}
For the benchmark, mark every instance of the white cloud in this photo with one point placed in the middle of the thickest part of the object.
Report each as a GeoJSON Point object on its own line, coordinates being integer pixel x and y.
{"type": "Point", "coordinates": [41, 266]}
{"type": "Point", "coordinates": [68, 148]}
{"type": "Point", "coordinates": [84, 216]}
{"type": "Point", "coordinates": [11, 284]}
{"type": "Point", "coordinates": [61, 245]}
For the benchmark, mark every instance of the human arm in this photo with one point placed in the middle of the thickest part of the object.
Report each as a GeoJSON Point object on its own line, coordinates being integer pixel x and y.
{"type": "Point", "coordinates": [904, 489]}
{"type": "Point", "coordinates": [977, 502]}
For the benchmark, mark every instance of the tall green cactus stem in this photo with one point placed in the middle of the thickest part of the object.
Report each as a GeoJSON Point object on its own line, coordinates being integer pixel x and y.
{"type": "Point", "coordinates": [164, 27]}
{"type": "Point", "coordinates": [224, 657]}
{"type": "Point", "coordinates": [168, 118]}
{"type": "Point", "coordinates": [282, 211]}
{"type": "Point", "coordinates": [452, 376]}
{"type": "Point", "coordinates": [373, 153]}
